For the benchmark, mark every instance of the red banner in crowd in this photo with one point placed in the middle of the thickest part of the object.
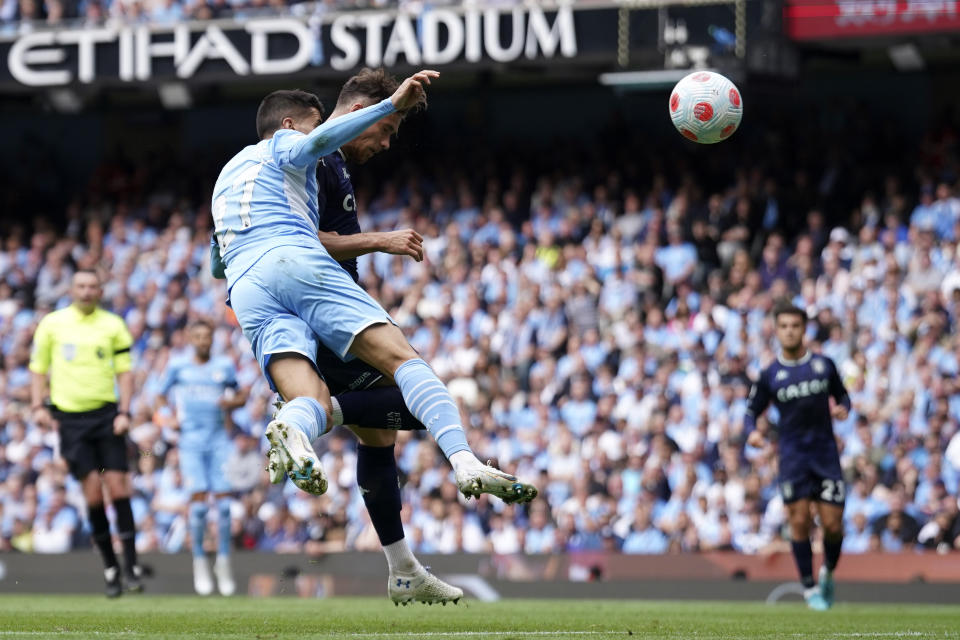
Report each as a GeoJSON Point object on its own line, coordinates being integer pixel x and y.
{"type": "Point", "coordinates": [820, 19]}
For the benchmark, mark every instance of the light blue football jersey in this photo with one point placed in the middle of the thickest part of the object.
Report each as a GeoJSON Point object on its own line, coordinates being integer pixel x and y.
{"type": "Point", "coordinates": [266, 196]}
{"type": "Point", "coordinates": [196, 391]}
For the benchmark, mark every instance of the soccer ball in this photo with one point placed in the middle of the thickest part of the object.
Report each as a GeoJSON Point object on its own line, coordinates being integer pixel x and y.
{"type": "Point", "coordinates": [706, 107]}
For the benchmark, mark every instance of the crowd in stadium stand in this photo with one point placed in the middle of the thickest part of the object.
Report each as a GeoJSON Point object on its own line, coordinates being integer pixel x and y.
{"type": "Point", "coordinates": [25, 15]}
{"type": "Point", "coordinates": [598, 319]}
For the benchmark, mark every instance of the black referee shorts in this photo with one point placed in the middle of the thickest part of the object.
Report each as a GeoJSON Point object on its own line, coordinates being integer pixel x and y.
{"type": "Point", "coordinates": [87, 441]}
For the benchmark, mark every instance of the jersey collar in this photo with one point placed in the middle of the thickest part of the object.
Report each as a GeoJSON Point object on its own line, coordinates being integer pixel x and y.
{"type": "Point", "coordinates": [342, 155]}
{"type": "Point", "coordinates": [80, 315]}
{"type": "Point", "coordinates": [792, 363]}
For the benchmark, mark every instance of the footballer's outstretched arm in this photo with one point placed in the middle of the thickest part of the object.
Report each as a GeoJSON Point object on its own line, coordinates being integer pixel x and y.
{"type": "Point", "coordinates": [334, 133]}
{"type": "Point", "coordinates": [329, 136]}
{"type": "Point", "coordinates": [405, 242]}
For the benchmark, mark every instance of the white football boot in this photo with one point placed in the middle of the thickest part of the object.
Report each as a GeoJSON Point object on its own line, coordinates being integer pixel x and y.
{"type": "Point", "coordinates": [202, 578]}
{"type": "Point", "coordinates": [474, 480]}
{"type": "Point", "coordinates": [274, 467]}
{"type": "Point", "coordinates": [421, 586]}
{"type": "Point", "coordinates": [224, 573]}
{"type": "Point", "coordinates": [296, 457]}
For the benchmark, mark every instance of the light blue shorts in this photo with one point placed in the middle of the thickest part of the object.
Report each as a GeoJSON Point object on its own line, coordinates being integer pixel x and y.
{"type": "Point", "coordinates": [205, 469]}
{"type": "Point", "coordinates": [294, 296]}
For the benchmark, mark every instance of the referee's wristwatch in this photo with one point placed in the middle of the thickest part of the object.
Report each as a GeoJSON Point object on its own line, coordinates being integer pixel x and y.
{"type": "Point", "coordinates": [124, 413]}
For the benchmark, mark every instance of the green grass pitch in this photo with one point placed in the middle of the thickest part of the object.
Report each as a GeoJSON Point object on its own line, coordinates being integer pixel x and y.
{"type": "Point", "coordinates": [155, 617]}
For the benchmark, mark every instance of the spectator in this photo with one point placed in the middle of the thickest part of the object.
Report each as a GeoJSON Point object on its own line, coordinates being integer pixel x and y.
{"type": "Point", "coordinates": [942, 532]}
{"type": "Point", "coordinates": [895, 531]}
{"type": "Point", "coordinates": [857, 536]}
{"type": "Point", "coordinates": [601, 326]}
{"type": "Point", "coordinates": [643, 536]}
{"type": "Point", "coordinates": [754, 539]}
{"type": "Point", "coordinates": [245, 466]}
{"type": "Point", "coordinates": [54, 529]}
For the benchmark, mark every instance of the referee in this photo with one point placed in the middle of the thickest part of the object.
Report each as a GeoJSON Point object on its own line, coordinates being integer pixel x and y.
{"type": "Point", "coordinates": [83, 348]}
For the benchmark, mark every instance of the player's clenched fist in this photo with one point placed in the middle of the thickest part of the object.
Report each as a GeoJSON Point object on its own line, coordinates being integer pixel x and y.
{"type": "Point", "coordinates": [412, 90]}
{"type": "Point", "coordinates": [405, 242]}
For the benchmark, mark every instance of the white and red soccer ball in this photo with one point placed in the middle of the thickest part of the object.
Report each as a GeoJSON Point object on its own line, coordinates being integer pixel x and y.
{"type": "Point", "coordinates": [706, 107]}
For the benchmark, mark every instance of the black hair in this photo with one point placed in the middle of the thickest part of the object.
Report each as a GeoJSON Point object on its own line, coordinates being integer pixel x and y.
{"type": "Point", "coordinates": [788, 309]}
{"type": "Point", "coordinates": [282, 104]}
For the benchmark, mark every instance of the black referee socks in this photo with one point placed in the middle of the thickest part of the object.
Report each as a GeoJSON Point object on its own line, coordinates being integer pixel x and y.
{"type": "Point", "coordinates": [100, 527]}
{"type": "Point", "coordinates": [127, 531]}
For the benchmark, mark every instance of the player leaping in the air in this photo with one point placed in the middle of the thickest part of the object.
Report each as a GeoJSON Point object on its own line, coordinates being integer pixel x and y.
{"type": "Point", "coordinates": [362, 397]}
{"type": "Point", "coordinates": [800, 385]}
{"type": "Point", "coordinates": [368, 412]}
{"type": "Point", "coordinates": [287, 291]}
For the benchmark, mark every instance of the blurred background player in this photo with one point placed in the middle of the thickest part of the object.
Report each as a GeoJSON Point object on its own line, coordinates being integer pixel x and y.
{"type": "Point", "coordinates": [800, 385]}
{"type": "Point", "coordinates": [205, 390]}
{"type": "Point", "coordinates": [85, 349]}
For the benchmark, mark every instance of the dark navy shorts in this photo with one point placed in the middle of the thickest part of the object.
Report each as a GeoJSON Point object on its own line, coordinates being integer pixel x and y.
{"type": "Point", "coordinates": [813, 481]}
{"type": "Point", "coordinates": [343, 376]}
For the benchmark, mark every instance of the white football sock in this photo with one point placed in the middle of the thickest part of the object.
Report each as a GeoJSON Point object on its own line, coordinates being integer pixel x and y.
{"type": "Point", "coordinates": [464, 459]}
{"type": "Point", "coordinates": [337, 413]}
{"type": "Point", "coordinates": [399, 557]}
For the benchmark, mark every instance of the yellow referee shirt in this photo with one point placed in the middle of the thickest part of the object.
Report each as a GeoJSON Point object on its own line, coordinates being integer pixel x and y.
{"type": "Point", "coordinates": [83, 354]}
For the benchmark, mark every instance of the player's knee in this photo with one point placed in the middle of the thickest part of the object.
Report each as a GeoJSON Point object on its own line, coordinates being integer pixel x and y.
{"type": "Point", "coordinates": [798, 534]}
{"type": "Point", "coordinates": [324, 401]}
{"type": "Point", "coordinates": [92, 488]}
{"type": "Point", "coordinates": [799, 527]}
{"type": "Point", "coordinates": [833, 530]}
{"type": "Point", "coordinates": [93, 495]}
{"type": "Point", "coordinates": [118, 485]}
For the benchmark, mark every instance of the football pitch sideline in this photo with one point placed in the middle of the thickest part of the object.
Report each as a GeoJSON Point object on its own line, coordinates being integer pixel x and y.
{"type": "Point", "coordinates": [156, 617]}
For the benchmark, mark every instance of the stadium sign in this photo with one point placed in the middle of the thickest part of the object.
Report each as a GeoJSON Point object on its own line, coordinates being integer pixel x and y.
{"type": "Point", "coordinates": [831, 19]}
{"type": "Point", "coordinates": [288, 45]}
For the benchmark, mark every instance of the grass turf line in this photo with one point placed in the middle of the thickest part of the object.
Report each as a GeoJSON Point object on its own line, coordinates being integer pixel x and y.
{"type": "Point", "coordinates": [179, 617]}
